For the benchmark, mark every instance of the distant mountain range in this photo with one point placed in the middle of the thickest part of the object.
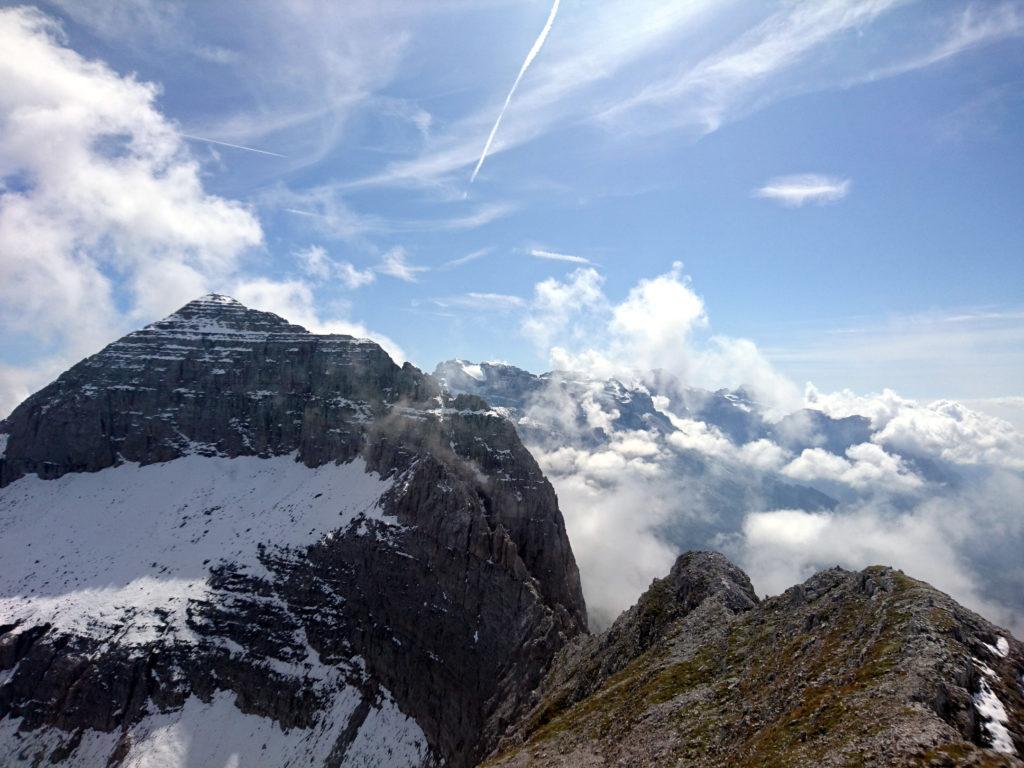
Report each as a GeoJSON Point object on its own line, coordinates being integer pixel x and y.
{"type": "Point", "coordinates": [226, 541]}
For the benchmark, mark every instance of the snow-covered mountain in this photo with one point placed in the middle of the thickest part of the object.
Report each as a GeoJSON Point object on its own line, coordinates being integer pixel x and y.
{"type": "Point", "coordinates": [228, 541]}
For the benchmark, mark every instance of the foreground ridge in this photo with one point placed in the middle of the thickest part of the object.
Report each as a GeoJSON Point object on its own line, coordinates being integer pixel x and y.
{"type": "Point", "coordinates": [865, 668]}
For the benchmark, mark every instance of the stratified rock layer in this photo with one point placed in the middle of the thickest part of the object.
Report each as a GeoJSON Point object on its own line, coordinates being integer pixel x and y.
{"type": "Point", "coordinates": [454, 599]}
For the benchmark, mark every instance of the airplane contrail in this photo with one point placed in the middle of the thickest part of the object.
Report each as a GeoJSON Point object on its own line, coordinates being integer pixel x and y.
{"type": "Point", "coordinates": [537, 45]}
{"type": "Point", "coordinates": [233, 146]}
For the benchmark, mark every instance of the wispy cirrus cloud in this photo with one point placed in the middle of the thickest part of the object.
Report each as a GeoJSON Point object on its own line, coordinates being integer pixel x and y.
{"type": "Point", "coordinates": [976, 26]}
{"type": "Point", "coordinates": [315, 262]}
{"type": "Point", "coordinates": [964, 353]}
{"type": "Point", "coordinates": [614, 69]}
{"type": "Point", "coordinates": [802, 188]}
{"type": "Point", "coordinates": [395, 264]}
{"type": "Point", "coordinates": [479, 217]}
{"type": "Point", "coordinates": [497, 302]}
{"type": "Point", "coordinates": [540, 253]}
{"type": "Point", "coordinates": [479, 253]}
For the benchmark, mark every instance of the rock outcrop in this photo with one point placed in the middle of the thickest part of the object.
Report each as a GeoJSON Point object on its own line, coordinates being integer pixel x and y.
{"type": "Point", "coordinates": [868, 668]}
{"type": "Point", "coordinates": [446, 600]}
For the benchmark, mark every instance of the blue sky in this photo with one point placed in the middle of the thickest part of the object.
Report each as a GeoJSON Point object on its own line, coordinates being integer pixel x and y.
{"type": "Point", "coordinates": [841, 181]}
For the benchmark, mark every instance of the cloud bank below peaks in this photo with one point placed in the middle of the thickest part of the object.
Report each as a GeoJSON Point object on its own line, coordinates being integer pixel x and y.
{"type": "Point", "coordinates": [660, 437]}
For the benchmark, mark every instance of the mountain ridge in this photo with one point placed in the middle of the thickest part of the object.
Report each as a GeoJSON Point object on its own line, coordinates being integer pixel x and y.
{"type": "Point", "coordinates": [864, 668]}
{"type": "Point", "coordinates": [231, 538]}
{"type": "Point", "coordinates": [453, 575]}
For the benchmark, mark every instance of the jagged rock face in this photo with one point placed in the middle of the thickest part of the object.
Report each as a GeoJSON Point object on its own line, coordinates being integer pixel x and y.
{"type": "Point", "coordinates": [870, 668]}
{"type": "Point", "coordinates": [274, 523]}
{"type": "Point", "coordinates": [217, 376]}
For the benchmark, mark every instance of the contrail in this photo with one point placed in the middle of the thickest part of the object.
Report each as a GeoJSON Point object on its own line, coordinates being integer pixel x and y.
{"type": "Point", "coordinates": [537, 45]}
{"type": "Point", "coordinates": [233, 146]}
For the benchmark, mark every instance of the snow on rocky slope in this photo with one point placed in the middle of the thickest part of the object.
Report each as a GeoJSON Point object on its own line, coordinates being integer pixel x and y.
{"type": "Point", "coordinates": [227, 541]}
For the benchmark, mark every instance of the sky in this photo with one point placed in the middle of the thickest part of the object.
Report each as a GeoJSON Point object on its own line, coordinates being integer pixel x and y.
{"type": "Point", "coordinates": [837, 185]}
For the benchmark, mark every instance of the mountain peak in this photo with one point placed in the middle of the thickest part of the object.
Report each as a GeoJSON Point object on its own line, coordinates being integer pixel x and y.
{"type": "Point", "coordinates": [218, 314]}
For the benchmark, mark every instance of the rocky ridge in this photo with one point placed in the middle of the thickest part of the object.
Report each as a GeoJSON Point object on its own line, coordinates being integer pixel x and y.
{"type": "Point", "coordinates": [448, 601]}
{"type": "Point", "coordinates": [868, 668]}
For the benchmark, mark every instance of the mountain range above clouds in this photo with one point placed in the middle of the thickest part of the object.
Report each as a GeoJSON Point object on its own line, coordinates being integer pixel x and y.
{"type": "Point", "coordinates": [231, 541]}
{"type": "Point", "coordinates": [931, 487]}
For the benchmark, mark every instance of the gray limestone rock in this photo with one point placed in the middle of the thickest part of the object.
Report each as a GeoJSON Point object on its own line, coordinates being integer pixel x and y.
{"type": "Point", "coordinates": [455, 606]}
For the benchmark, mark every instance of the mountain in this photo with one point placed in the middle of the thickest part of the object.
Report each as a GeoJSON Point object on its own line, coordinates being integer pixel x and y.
{"type": "Point", "coordinates": [714, 491]}
{"type": "Point", "coordinates": [227, 541]}
{"type": "Point", "coordinates": [868, 668]}
{"type": "Point", "coordinates": [225, 538]}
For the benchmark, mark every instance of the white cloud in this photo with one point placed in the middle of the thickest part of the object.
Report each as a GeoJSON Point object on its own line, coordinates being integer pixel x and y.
{"type": "Point", "coordinates": [653, 328]}
{"type": "Point", "coordinates": [931, 475]}
{"type": "Point", "coordinates": [294, 301]}
{"type": "Point", "coordinates": [728, 81]}
{"type": "Point", "coordinates": [880, 408]}
{"type": "Point", "coordinates": [1008, 409]}
{"type": "Point", "coordinates": [555, 303]}
{"type": "Point", "coordinates": [642, 66]}
{"type": "Point", "coordinates": [18, 382]}
{"type": "Point", "coordinates": [943, 430]}
{"type": "Point", "coordinates": [953, 433]}
{"type": "Point", "coordinates": [866, 468]}
{"type": "Point", "coordinates": [963, 544]}
{"type": "Point", "coordinates": [498, 302]}
{"type": "Point", "coordinates": [461, 260]}
{"type": "Point", "coordinates": [104, 187]}
{"type": "Point", "coordinates": [321, 267]}
{"type": "Point", "coordinates": [395, 264]}
{"type": "Point", "coordinates": [976, 26]}
{"type": "Point", "coordinates": [539, 253]}
{"type": "Point", "coordinates": [315, 262]}
{"type": "Point", "coordinates": [794, 191]}
{"type": "Point", "coordinates": [353, 277]}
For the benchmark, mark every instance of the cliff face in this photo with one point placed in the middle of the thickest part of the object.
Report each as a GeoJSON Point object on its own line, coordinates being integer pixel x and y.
{"type": "Point", "coordinates": [869, 669]}
{"type": "Point", "coordinates": [381, 564]}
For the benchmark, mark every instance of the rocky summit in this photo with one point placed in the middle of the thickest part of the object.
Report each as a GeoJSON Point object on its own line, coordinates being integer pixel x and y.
{"type": "Point", "coordinates": [869, 668]}
{"type": "Point", "coordinates": [227, 541]}
{"type": "Point", "coordinates": [226, 536]}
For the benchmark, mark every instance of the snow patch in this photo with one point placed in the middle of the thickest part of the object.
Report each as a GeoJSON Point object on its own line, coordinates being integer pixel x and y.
{"type": "Point", "coordinates": [216, 734]}
{"type": "Point", "coordinates": [473, 371]}
{"type": "Point", "coordinates": [96, 552]}
{"type": "Point", "coordinates": [994, 718]}
{"type": "Point", "coordinates": [3, 444]}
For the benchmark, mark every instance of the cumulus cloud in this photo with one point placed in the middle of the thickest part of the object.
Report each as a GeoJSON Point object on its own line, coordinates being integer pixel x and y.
{"type": "Point", "coordinates": [97, 183]}
{"type": "Point", "coordinates": [943, 429]}
{"type": "Point", "coordinates": [655, 327]}
{"type": "Point", "coordinates": [555, 303]}
{"type": "Point", "coordinates": [866, 467]}
{"type": "Point", "coordinates": [799, 189]}
{"type": "Point", "coordinates": [953, 433]}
